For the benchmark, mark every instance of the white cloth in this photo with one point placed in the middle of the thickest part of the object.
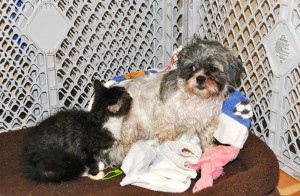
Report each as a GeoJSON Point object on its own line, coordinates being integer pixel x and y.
{"type": "Point", "coordinates": [161, 167]}
{"type": "Point", "coordinates": [230, 132]}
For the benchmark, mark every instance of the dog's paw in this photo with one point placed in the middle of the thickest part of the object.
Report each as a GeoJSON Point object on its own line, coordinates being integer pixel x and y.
{"type": "Point", "coordinates": [202, 183]}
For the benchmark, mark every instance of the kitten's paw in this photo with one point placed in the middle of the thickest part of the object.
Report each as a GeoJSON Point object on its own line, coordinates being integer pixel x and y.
{"type": "Point", "coordinates": [95, 172]}
{"type": "Point", "coordinates": [99, 176]}
{"type": "Point", "coordinates": [101, 166]}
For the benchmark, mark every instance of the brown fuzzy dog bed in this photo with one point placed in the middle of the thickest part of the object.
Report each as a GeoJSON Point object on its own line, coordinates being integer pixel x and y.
{"type": "Point", "coordinates": [254, 172]}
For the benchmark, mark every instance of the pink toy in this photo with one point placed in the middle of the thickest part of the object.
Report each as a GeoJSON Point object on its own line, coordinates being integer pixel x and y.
{"type": "Point", "coordinates": [211, 165]}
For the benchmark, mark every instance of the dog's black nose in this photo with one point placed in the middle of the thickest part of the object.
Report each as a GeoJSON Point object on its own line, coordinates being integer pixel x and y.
{"type": "Point", "coordinates": [200, 79]}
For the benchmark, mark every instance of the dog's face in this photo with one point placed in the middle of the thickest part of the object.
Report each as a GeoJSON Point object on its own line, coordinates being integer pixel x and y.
{"type": "Point", "coordinates": [207, 69]}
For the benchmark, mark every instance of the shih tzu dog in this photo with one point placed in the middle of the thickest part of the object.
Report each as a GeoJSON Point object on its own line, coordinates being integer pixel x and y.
{"type": "Point", "coordinates": [186, 101]}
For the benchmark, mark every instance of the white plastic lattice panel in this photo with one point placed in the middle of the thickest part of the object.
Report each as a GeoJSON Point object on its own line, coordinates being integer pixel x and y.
{"type": "Point", "coordinates": [271, 76]}
{"type": "Point", "coordinates": [283, 49]}
{"type": "Point", "coordinates": [52, 50]}
{"type": "Point", "coordinates": [110, 38]}
{"type": "Point", "coordinates": [23, 76]}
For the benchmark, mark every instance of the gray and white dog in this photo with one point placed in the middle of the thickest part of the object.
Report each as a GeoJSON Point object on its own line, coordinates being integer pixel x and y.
{"type": "Point", "coordinates": [185, 101]}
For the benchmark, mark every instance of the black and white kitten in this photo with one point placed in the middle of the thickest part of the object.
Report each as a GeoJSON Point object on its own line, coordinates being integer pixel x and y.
{"type": "Point", "coordinates": [73, 142]}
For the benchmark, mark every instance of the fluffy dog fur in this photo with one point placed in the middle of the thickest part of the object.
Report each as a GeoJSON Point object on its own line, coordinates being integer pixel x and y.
{"type": "Point", "coordinates": [183, 101]}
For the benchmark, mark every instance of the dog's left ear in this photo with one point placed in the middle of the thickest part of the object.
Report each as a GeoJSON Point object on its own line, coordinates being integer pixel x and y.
{"type": "Point", "coordinates": [234, 70]}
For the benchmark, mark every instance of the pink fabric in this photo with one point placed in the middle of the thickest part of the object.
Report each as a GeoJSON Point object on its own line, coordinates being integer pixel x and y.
{"type": "Point", "coordinates": [211, 165]}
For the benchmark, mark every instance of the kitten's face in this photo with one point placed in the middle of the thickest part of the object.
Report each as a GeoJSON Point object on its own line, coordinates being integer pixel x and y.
{"type": "Point", "coordinates": [114, 101]}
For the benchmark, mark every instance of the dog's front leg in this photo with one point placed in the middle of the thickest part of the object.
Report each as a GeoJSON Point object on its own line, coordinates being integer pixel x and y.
{"type": "Point", "coordinates": [206, 136]}
{"type": "Point", "coordinates": [165, 135]}
{"type": "Point", "coordinates": [131, 132]}
{"type": "Point", "coordinates": [206, 141]}
{"type": "Point", "coordinates": [168, 132]}
{"type": "Point", "coordinates": [127, 141]}
{"type": "Point", "coordinates": [115, 155]}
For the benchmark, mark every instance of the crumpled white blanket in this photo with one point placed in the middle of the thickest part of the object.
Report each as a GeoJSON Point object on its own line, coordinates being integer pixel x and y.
{"type": "Point", "coordinates": [161, 167]}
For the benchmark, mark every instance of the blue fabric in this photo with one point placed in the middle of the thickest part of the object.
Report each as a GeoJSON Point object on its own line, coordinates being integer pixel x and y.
{"type": "Point", "coordinates": [132, 75]}
{"type": "Point", "coordinates": [235, 97]}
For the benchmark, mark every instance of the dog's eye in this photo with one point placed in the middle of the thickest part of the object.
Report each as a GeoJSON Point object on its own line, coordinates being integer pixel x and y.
{"type": "Point", "coordinates": [193, 68]}
{"type": "Point", "coordinates": [212, 69]}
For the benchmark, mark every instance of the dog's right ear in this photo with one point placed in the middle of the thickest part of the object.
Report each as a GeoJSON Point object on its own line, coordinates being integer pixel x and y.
{"type": "Point", "coordinates": [98, 86]}
{"type": "Point", "coordinates": [196, 38]}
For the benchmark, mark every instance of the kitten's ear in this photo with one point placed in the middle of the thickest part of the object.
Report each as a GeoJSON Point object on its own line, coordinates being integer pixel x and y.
{"type": "Point", "coordinates": [116, 107]}
{"type": "Point", "coordinates": [98, 86]}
